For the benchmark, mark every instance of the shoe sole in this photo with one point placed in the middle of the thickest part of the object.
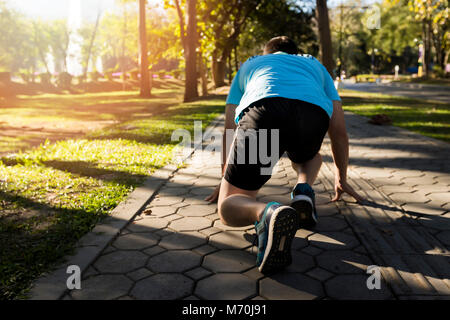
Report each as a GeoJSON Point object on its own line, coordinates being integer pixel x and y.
{"type": "Point", "coordinates": [282, 228]}
{"type": "Point", "coordinates": [304, 207]}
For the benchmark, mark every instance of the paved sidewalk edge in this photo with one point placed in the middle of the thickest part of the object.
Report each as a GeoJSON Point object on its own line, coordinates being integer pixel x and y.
{"type": "Point", "coordinates": [52, 285]}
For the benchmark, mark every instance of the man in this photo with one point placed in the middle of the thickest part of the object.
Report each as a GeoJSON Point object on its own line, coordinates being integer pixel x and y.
{"type": "Point", "coordinates": [293, 98]}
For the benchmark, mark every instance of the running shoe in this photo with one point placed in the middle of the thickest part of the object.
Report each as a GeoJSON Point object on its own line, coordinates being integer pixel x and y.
{"type": "Point", "coordinates": [303, 201]}
{"type": "Point", "coordinates": [275, 232]}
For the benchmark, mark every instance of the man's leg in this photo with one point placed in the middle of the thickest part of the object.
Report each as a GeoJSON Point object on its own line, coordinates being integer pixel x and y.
{"type": "Point", "coordinates": [238, 207]}
{"type": "Point", "coordinates": [308, 171]}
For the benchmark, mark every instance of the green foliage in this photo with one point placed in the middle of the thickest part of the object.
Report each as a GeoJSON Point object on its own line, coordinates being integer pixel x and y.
{"type": "Point", "coordinates": [428, 119]}
{"type": "Point", "coordinates": [264, 24]}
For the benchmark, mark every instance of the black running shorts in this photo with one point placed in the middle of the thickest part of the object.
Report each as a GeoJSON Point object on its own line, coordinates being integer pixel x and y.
{"type": "Point", "coordinates": [301, 129]}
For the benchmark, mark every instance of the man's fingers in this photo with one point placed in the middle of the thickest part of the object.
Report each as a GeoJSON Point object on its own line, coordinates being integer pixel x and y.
{"type": "Point", "coordinates": [338, 195]}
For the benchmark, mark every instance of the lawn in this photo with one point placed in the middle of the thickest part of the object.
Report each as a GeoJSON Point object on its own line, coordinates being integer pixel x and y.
{"type": "Point", "coordinates": [430, 119]}
{"type": "Point", "coordinates": [53, 193]}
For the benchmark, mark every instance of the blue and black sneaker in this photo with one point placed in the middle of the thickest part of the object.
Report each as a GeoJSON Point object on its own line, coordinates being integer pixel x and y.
{"type": "Point", "coordinates": [304, 202]}
{"type": "Point", "coordinates": [275, 232]}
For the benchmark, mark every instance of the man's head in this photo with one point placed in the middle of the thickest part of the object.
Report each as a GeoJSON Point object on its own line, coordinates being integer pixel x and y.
{"type": "Point", "coordinates": [281, 43]}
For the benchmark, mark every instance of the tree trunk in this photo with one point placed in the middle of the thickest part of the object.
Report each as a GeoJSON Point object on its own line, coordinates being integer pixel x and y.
{"type": "Point", "coordinates": [190, 89]}
{"type": "Point", "coordinates": [326, 50]}
{"type": "Point", "coordinates": [145, 79]}
{"type": "Point", "coordinates": [91, 44]}
{"type": "Point", "coordinates": [203, 75]}
{"type": "Point", "coordinates": [230, 69]}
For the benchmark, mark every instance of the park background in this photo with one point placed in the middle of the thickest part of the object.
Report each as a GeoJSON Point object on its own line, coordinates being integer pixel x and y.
{"type": "Point", "coordinates": [90, 92]}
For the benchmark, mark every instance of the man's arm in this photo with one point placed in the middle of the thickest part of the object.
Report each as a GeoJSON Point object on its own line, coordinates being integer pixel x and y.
{"type": "Point", "coordinates": [227, 139]}
{"type": "Point", "coordinates": [340, 149]}
{"type": "Point", "coordinates": [230, 110]}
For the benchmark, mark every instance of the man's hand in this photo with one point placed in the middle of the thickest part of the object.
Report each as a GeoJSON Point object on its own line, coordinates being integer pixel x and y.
{"type": "Point", "coordinates": [212, 198]}
{"type": "Point", "coordinates": [341, 187]}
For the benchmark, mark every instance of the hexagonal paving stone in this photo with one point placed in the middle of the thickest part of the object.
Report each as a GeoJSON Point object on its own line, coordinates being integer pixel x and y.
{"type": "Point", "coordinates": [218, 224]}
{"type": "Point", "coordinates": [319, 274]}
{"type": "Point", "coordinates": [439, 198]}
{"type": "Point", "coordinates": [269, 190]}
{"type": "Point", "coordinates": [184, 179]}
{"type": "Point", "coordinates": [274, 197]}
{"type": "Point", "coordinates": [197, 210]}
{"type": "Point", "coordinates": [183, 240]}
{"type": "Point", "coordinates": [166, 201]}
{"type": "Point", "coordinates": [170, 192]}
{"type": "Point", "coordinates": [139, 274]}
{"type": "Point", "coordinates": [325, 210]}
{"type": "Point", "coordinates": [333, 241]}
{"type": "Point", "coordinates": [207, 182]}
{"type": "Point", "coordinates": [436, 222]}
{"type": "Point", "coordinates": [103, 287]}
{"type": "Point", "coordinates": [408, 197]}
{"type": "Point", "coordinates": [174, 261]}
{"type": "Point", "coordinates": [300, 262]}
{"type": "Point", "coordinates": [290, 286]}
{"type": "Point", "coordinates": [226, 286]}
{"type": "Point", "coordinates": [190, 224]}
{"type": "Point", "coordinates": [201, 191]}
{"type": "Point", "coordinates": [330, 224]}
{"type": "Point", "coordinates": [148, 224]}
{"type": "Point", "coordinates": [231, 240]}
{"type": "Point", "coordinates": [343, 261]}
{"type": "Point", "coordinates": [121, 261]}
{"type": "Point", "coordinates": [160, 212]}
{"type": "Point", "coordinates": [163, 286]}
{"type": "Point", "coordinates": [198, 273]}
{"type": "Point", "coordinates": [444, 236]}
{"type": "Point", "coordinates": [354, 287]}
{"type": "Point", "coordinates": [136, 241]}
{"type": "Point", "coordinates": [423, 208]}
{"type": "Point", "coordinates": [298, 243]}
{"type": "Point", "coordinates": [229, 261]}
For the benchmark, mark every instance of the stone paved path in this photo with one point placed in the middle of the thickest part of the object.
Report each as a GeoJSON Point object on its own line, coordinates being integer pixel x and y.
{"type": "Point", "coordinates": [178, 249]}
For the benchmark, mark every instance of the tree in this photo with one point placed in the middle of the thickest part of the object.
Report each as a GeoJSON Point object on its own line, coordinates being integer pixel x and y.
{"type": "Point", "coordinates": [88, 46]}
{"type": "Point", "coordinates": [326, 49]}
{"type": "Point", "coordinates": [145, 80]}
{"type": "Point", "coordinates": [59, 35]}
{"type": "Point", "coordinates": [224, 23]}
{"type": "Point", "coordinates": [190, 91]}
{"type": "Point", "coordinates": [433, 15]}
{"type": "Point", "coordinates": [264, 24]}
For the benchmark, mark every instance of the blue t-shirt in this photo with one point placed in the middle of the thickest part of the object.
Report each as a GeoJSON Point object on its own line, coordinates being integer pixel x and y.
{"type": "Point", "coordinates": [300, 77]}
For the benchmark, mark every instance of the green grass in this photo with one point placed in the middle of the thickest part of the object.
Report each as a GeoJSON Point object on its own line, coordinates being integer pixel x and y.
{"type": "Point", "coordinates": [430, 119]}
{"type": "Point", "coordinates": [53, 194]}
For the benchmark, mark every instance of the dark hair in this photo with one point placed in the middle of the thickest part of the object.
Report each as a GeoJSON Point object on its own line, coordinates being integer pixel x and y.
{"type": "Point", "coordinates": [281, 43]}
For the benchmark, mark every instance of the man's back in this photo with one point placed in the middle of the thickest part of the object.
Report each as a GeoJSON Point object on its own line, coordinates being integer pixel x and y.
{"type": "Point", "coordinates": [300, 77]}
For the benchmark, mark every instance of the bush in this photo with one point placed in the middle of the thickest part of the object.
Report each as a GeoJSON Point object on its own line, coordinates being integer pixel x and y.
{"type": "Point", "coordinates": [438, 72]}
{"type": "Point", "coordinates": [64, 80]}
{"type": "Point", "coordinates": [134, 74]}
{"type": "Point", "coordinates": [176, 73]}
{"type": "Point", "coordinates": [94, 76]}
{"type": "Point", "coordinates": [45, 78]}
